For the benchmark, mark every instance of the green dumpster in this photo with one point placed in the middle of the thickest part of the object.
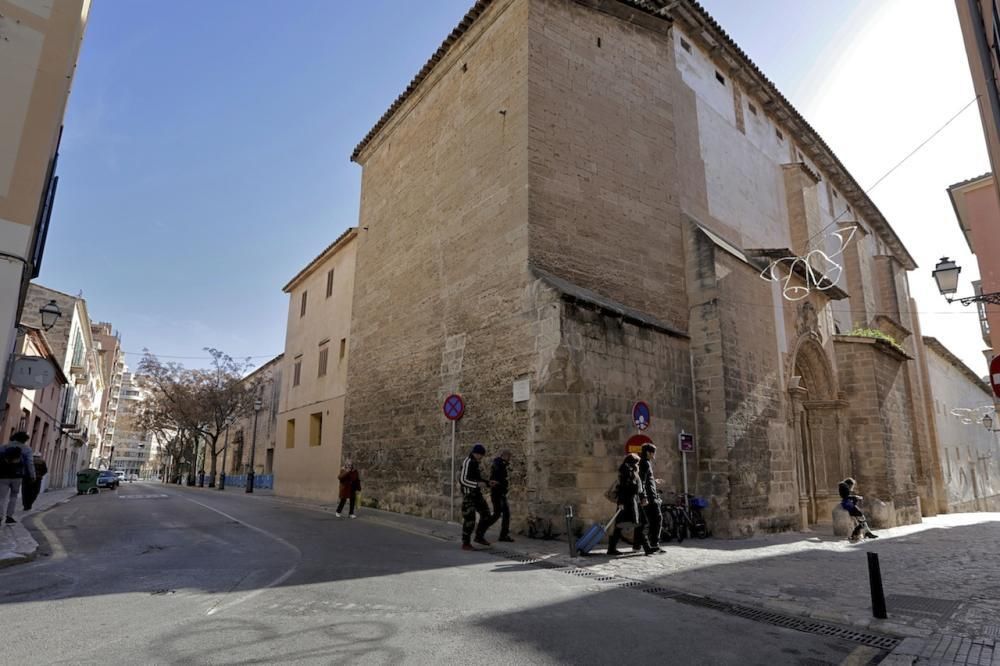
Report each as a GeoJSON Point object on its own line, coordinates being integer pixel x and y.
{"type": "Point", "coordinates": [86, 482]}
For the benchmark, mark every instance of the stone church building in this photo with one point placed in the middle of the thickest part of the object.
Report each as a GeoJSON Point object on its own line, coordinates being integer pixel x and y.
{"type": "Point", "coordinates": [604, 200]}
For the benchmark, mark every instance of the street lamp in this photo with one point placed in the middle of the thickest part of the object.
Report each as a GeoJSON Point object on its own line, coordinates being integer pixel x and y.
{"type": "Point", "coordinates": [50, 314]}
{"type": "Point", "coordinates": [946, 275]}
{"type": "Point", "coordinates": [988, 423]}
{"type": "Point", "coordinates": [257, 404]}
{"type": "Point", "coordinates": [225, 450]}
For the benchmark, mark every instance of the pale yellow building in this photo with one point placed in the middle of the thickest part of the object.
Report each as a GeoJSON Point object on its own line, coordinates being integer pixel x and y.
{"type": "Point", "coordinates": [39, 45]}
{"type": "Point", "coordinates": [314, 374]}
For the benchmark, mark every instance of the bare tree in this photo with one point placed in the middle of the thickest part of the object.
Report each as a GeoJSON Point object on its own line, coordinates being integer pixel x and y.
{"type": "Point", "coordinates": [189, 407]}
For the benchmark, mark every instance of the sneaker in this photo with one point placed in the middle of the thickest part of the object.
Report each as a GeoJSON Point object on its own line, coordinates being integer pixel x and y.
{"type": "Point", "coordinates": [337, 514]}
{"type": "Point", "coordinates": [10, 520]}
{"type": "Point", "coordinates": [482, 541]}
{"type": "Point", "coordinates": [614, 552]}
{"type": "Point", "coordinates": [353, 516]}
{"type": "Point", "coordinates": [871, 535]}
{"type": "Point", "coordinates": [467, 546]}
{"type": "Point", "coordinates": [853, 539]}
{"type": "Point", "coordinates": [506, 538]}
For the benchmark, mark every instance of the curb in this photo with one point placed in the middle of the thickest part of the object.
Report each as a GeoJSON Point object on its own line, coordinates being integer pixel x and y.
{"type": "Point", "coordinates": [26, 546]}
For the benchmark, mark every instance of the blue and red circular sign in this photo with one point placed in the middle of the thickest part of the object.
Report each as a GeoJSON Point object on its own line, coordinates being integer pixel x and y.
{"type": "Point", "coordinates": [454, 407]}
{"type": "Point", "coordinates": [640, 415]}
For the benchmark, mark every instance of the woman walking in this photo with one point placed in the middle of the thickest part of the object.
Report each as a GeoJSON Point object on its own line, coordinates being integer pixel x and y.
{"type": "Point", "coordinates": [630, 498]}
{"type": "Point", "coordinates": [350, 486]}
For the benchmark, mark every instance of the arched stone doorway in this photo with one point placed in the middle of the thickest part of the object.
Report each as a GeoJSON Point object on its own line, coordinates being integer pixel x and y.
{"type": "Point", "coordinates": [818, 441]}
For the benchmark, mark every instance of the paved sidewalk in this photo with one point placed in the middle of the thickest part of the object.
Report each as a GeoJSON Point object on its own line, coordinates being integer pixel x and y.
{"type": "Point", "coordinates": [941, 577]}
{"type": "Point", "coordinates": [16, 543]}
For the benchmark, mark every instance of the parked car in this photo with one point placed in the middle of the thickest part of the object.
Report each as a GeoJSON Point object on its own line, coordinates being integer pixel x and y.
{"type": "Point", "coordinates": [107, 479]}
{"type": "Point", "coordinates": [120, 474]}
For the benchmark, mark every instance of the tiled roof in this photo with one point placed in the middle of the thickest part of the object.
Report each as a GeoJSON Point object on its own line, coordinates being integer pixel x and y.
{"type": "Point", "coordinates": [703, 27]}
{"type": "Point", "coordinates": [341, 239]}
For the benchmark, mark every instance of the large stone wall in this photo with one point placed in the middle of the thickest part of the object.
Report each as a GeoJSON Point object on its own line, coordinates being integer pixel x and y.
{"type": "Point", "coordinates": [441, 302]}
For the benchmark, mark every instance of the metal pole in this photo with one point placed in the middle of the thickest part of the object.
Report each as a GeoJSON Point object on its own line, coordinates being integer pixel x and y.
{"type": "Point", "coordinates": [569, 531]}
{"type": "Point", "coordinates": [253, 450]}
{"type": "Point", "coordinates": [453, 471]}
{"type": "Point", "coordinates": [225, 450]}
{"type": "Point", "coordinates": [684, 465]}
{"type": "Point", "coordinates": [875, 582]}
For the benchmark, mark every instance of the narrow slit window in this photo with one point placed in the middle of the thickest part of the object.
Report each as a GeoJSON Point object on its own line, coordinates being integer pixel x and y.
{"type": "Point", "coordinates": [343, 347]}
{"type": "Point", "coordinates": [329, 283]}
{"type": "Point", "coordinates": [302, 305]}
{"type": "Point", "coordinates": [720, 78]}
{"type": "Point", "coordinates": [777, 133]}
{"type": "Point", "coordinates": [686, 45]}
{"type": "Point", "coordinates": [753, 109]}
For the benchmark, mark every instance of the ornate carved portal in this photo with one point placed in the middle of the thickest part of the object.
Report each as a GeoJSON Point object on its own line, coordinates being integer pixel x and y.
{"type": "Point", "coordinates": [820, 447]}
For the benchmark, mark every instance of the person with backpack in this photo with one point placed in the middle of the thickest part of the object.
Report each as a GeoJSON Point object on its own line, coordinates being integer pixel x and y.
{"type": "Point", "coordinates": [15, 466]}
{"type": "Point", "coordinates": [631, 498]}
{"type": "Point", "coordinates": [850, 503]}
{"type": "Point", "coordinates": [30, 489]}
{"type": "Point", "coordinates": [499, 485]}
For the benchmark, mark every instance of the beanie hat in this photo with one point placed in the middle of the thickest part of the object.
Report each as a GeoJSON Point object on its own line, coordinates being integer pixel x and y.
{"type": "Point", "coordinates": [479, 448]}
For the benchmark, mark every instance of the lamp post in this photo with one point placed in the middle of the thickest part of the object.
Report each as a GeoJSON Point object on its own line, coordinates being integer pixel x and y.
{"type": "Point", "coordinates": [257, 404]}
{"type": "Point", "coordinates": [946, 272]}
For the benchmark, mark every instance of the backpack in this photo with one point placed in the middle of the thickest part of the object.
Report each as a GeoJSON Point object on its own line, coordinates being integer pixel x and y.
{"type": "Point", "coordinates": [12, 463]}
{"type": "Point", "coordinates": [612, 493]}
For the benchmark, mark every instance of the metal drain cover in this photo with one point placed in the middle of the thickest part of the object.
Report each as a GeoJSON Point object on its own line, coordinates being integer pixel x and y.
{"type": "Point", "coordinates": [922, 606]}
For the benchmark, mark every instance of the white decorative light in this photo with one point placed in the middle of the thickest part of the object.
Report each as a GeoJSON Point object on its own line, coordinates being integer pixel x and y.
{"type": "Point", "coordinates": [820, 270]}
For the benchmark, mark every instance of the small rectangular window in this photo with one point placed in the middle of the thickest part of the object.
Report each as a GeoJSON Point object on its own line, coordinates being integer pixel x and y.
{"type": "Point", "coordinates": [753, 109]}
{"type": "Point", "coordinates": [316, 429]}
{"type": "Point", "coordinates": [343, 347]}
{"type": "Point", "coordinates": [297, 373]}
{"type": "Point", "coordinates": [720, 78]}
{"type": "Point", "coordinates": [290, 434]}
{"type": "Point", "coordinates": [324, 354]}
{"type": "Point", "coordinates": [777, 133]}
{"type": "Point", "coordinates": [686, 45]}
{"type": "Point", "coordinates": [302, 307]}
{"type": "Point", "coordinates": [329, 283]}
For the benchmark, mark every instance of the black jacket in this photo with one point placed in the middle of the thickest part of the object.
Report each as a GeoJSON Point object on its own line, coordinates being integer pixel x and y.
{"type": "Point", "coordinates": [470, 477]}
{"type": "Point", "coordinates": [630, 494]}
{"type": "Point", "coordinates": [648, 479]}
{"type": "Point", "coordinates": [499, 474]}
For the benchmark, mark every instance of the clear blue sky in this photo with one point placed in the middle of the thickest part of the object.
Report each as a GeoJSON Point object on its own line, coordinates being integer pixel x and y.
{"type": "Point", "coordinates": [206, 151]}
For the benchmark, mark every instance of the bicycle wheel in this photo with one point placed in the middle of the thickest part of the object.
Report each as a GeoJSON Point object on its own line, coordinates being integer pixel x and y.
{"type": "Point", "coordinates": [668, 526]}
{"type": "Point", "coordinates": [698, 528]}
{"type": "Point", "coordinates": [682, 527]}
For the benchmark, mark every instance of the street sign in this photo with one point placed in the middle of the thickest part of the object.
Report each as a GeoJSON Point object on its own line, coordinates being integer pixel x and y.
{"type": "Point", "coordinates": [685, 442]}
{"type": "Point", "coordinates": [454, 407]}
{"type": "Point", "coordinates": [640, 415]}
{"type": "Point", "coordinates": [32, 372]}
{"type": "Point", "coordinates": [995, 375]}
{"type": "Point", "coordinates": [635, 442]}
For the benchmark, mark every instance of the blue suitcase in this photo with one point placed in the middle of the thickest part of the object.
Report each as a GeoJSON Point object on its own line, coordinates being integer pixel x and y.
{"type": "Point", "coordinates": [594, 536]}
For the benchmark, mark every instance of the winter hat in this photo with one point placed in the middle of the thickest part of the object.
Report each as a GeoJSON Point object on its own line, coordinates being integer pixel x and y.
{"type": "Point", "coordinates": [479, 448]}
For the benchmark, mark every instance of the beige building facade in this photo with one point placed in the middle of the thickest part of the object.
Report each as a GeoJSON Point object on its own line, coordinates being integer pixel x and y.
{"type": "Point", "coordinates": [39, 45]}
{"type": "Point", "coordinates": [572, 208]}
{"type": "Point", "coordinates": [314, 373]}
{"type": "Point", "coordinates": [241, 449]}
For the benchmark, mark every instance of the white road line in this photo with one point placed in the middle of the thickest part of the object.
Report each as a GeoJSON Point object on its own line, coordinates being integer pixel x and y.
{"type": "Point", "coordinates": [277, 581]}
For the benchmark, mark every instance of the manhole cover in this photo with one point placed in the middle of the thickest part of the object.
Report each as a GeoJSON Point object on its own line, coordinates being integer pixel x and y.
{"type": "Point", "coordinates": [922, 606]}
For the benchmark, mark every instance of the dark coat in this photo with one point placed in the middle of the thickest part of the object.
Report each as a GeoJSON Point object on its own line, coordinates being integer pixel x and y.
{"type": "Point", "coordinates": [499, 473]}
{"type": "Point", "coordinates": [648, 480]}
{"type": "Point", "coordinates": [350, 483]}
{"type": "Point", "coordinates": [630, 493]}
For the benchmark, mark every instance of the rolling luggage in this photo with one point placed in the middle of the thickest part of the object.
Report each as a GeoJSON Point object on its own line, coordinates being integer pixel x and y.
{"type": "Point", "coordinates": [594, 535]}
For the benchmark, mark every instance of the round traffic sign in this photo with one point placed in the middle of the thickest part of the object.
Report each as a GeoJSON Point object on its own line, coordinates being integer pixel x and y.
{"type": "Point", "coordinates": [635, 442]}
{"type": "Point", "coordinates": [454, 407]}
{"type": "Point", "coordinates": [640, 415]}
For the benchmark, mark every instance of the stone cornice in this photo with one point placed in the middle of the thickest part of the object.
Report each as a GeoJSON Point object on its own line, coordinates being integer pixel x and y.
{"type": "Point", "coordinates": [881, 345]}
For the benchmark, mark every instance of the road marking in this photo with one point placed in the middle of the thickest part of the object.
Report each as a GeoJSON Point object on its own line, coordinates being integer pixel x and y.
{"type": "Point", "coordinates": [217, 608]}
{"type": "Point", "coordinates": [141, 496]}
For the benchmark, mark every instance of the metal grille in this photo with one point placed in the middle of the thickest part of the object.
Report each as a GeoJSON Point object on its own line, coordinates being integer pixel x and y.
{"type": "Point", "coordinates": [938, 609]}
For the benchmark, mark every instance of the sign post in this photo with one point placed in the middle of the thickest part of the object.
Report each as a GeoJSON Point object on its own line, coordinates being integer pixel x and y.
{"type": "Point", "coordinates": [454, 409]}
{"type": "Point", "coordinates": [685, 442]}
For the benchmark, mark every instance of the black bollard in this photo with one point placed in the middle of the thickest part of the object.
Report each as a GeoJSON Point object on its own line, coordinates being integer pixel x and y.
{"type": "Point", "coordinates": [875, 581]}
{"type": "Point", "coordinates": [569, 531]}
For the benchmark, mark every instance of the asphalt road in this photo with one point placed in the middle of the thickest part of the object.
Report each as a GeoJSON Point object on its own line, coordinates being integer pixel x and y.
{"type": "Point", "coordinates": [163, 574]}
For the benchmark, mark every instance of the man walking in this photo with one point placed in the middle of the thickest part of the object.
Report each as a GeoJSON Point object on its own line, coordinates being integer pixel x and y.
{"type": "Point", "coordinates": [15, 465]}
{"type": "Point", "coordinates": [499, 485]}
{"type": "Point", "coordinates": [651, 509]}
{"type": "Point", "coordinates": [473, 502]}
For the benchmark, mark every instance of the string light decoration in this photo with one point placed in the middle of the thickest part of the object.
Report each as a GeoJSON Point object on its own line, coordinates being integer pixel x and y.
{"type": "Point", "coordinates": [817, 269]}
{"type": "Point", "coordinates": [973, 415]}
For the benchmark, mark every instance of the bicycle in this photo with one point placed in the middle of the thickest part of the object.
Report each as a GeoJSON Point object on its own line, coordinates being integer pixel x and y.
{"type": "Point", "coordinates": [683, 518]}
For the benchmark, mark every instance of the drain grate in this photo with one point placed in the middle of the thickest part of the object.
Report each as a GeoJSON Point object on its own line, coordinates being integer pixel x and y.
{"type": "Point", "coordinates": [991, 630]}
{"type": "Point", "coordinates": [938, 609]}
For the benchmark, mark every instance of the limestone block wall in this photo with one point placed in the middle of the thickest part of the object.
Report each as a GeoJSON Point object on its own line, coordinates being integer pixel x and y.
{"type": "Point", "coordinates": [441, 301]}
{"type": "Point", "coordinates": [603, 173]}
{"type": "Point", "coordinates": [879, 430]}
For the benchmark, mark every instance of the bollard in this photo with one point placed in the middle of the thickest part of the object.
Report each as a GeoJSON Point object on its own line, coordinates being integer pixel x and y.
{"type": "Point", "coordinates": [569, 531]}
{"type": "Point", "coordinates": [875, 581]}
